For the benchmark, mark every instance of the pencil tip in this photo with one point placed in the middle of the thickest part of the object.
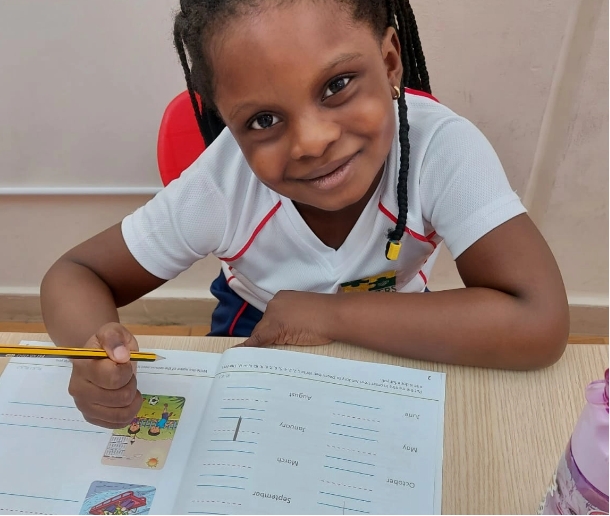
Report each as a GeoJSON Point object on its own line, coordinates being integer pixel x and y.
{"type": "Point", "coordinates": [159, 357]}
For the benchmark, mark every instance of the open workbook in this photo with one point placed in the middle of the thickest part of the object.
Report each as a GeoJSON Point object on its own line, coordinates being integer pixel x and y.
{"type": "Point", "coordinates": [249, 431]}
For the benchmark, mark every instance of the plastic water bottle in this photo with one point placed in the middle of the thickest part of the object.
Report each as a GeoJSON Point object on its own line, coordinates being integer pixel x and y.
{"type": "Point", "coordinates": [580, 483]}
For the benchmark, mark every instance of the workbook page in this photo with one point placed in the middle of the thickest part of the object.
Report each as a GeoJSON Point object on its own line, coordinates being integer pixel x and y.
{"type": "Point", "coordinates": [288, 433]}
{"type": "Point", "coordinates": [54, 462]}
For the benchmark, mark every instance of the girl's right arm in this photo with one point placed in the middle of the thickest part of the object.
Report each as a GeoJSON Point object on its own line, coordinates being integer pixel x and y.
{"type": "Point", "coordinates": [81, 292]}
{"type": "Point", "coordinates": [79, 295]}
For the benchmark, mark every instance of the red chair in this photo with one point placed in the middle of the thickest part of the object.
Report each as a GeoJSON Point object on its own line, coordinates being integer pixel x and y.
{"type": "Point", "coordinates": [180, 142]}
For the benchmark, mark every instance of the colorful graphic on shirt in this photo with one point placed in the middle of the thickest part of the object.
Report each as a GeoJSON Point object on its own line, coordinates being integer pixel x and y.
{"type": "Point", "coordinates": [384, 282]}
{"type": "Point", "coordinates": [146, 441]}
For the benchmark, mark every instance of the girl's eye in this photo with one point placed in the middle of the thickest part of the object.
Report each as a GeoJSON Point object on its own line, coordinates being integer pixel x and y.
{"type": "Point", "coordinates": [335, 86]}
{"type": "Point", "coordinates": [263, 122]}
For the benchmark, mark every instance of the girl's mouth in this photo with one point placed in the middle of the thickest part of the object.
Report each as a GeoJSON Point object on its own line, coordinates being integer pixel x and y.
{"type": "Point", "coordinates": [334, 178]}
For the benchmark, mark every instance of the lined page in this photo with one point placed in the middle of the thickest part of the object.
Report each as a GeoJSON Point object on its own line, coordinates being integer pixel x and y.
{"type": "Point", "coordinates": [54, 462]}
{"type": "Point", "coordinates": [288, 433]}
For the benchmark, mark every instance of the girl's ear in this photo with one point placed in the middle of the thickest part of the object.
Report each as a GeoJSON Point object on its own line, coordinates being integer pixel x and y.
{"type": "Point", "coordinates": [390, 51]}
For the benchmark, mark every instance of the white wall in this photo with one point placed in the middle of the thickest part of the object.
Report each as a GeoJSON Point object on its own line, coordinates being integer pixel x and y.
{"type": "Point", "coordinates": [83, 86]}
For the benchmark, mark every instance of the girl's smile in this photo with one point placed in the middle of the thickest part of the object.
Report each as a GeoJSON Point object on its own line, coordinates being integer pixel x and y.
{"type": "Point", "coordinates": [311, 107]}
{"type": "Point", "coordinates": [332, 175]}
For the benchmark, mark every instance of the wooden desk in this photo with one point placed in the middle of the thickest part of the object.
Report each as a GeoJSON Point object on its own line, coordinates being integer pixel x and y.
{"type": "Point", "coordinates": [504, 431]}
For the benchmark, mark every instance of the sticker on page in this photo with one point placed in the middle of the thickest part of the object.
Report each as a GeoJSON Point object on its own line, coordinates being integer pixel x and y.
{"type": "Point", "coordinates": [146, 441]}
{"type": "Point", "coordinates": [115, 498]}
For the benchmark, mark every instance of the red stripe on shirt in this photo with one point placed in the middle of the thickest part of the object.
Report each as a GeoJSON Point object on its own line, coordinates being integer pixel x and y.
{"type": "Point", "coordinates": [423, 276]}
{"type": "Point", "coordinates": [230, 278]}
{"type": "Point", "coordinates": [256, 232]}
{"type": "Point", "coordinates": [241, 311]}
{"type": "Point", "coordinates": [391, 216]}
{"type": "Point", "coordinates": [421, 94]}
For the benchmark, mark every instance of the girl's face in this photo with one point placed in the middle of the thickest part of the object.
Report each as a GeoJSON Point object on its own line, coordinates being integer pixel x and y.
{"type": "Point", "coordinates": [307, 93]}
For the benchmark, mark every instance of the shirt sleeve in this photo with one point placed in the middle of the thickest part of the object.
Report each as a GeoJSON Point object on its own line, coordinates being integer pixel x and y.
{"type": "Point", "coordinates": [464, 190]}
{"type": "Point", "coordinates": [182, 224]}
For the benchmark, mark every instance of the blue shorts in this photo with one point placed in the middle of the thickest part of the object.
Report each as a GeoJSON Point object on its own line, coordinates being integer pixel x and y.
{"type": "Point", "coordinates": [233, 317]}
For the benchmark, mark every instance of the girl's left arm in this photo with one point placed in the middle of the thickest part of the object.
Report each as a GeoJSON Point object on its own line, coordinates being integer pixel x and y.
{"type": "Point", "coordinates": [513, 313]}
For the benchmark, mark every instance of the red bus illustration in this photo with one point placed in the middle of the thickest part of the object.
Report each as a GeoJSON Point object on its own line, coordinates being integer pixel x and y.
{"type": "Point", "coordinates": [126, 501]}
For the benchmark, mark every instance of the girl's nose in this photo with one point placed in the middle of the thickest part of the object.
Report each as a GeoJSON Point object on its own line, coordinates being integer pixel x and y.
{"type": "Point", "coordinates": [312, 135]}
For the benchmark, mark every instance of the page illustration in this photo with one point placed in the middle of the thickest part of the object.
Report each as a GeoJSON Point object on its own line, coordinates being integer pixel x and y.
{"type": "Point", "coordinates": [114, 498]}
{"type": "Point", "coordinates": [145, 443]}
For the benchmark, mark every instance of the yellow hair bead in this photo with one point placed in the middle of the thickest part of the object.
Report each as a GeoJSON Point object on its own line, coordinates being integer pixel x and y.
{"type": "Point", "coordinates": [392, 250]}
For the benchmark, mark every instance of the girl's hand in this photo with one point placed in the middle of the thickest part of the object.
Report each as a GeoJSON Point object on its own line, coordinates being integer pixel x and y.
{"type": "Point", "coordinates": [105, 389]}
{"type": "Point", "coordinates": [292, 317]}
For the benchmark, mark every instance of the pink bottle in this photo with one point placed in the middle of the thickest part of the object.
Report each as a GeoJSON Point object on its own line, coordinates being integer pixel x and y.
{"type": "Point", "coordinates": [580, 484]}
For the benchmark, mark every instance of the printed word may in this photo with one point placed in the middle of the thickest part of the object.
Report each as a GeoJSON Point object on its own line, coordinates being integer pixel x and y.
{"type": "Point", "coordinates": [299, 395]}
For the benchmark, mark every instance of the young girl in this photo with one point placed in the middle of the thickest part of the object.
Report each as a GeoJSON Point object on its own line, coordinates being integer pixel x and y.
{"type": "Point", "coordinates": [326, 198]}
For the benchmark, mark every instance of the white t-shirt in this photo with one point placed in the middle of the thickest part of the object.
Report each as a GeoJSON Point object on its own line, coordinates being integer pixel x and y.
{"type": "Point", "coordinates": [457, 192]}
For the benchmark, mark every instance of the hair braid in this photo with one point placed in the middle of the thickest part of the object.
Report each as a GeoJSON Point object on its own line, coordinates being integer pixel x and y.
{"type": "Point", "coordinates": [410, 75]}
{"type": "Point", "coordinates": [415, 76]}
{"type": "Point", "coordinates": [395, 235]}
{"type": "Point", "coordinates": [417, 50]}
{"type": "Point", "coordinates": [179, 44]}
{"type": "Point", "coordinates": [209, 123]}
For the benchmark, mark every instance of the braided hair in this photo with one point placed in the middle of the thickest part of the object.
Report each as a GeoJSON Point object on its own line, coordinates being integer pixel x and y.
{"type": "Point", "coordinates": [198, 20]}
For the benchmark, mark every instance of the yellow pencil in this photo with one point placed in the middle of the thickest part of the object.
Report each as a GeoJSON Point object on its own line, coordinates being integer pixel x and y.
{"type": "Point", "coordinates": [7, 350]}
